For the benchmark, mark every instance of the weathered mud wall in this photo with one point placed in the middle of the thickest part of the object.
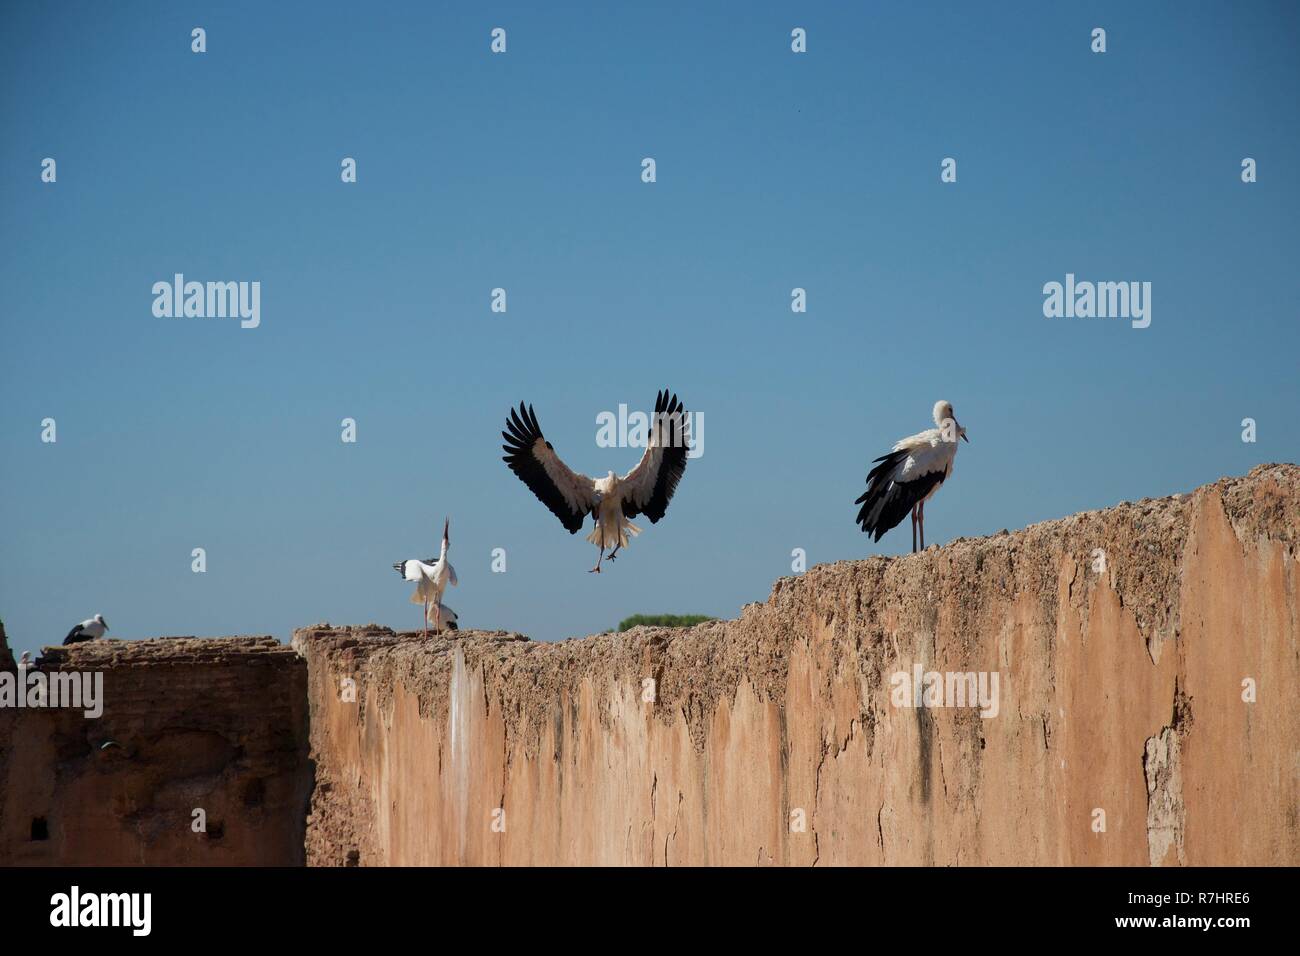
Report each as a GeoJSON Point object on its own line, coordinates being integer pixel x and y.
{"type": "Point", "coordinates": [1146, 657]}
{"type": "Point", "coordinates": [217, 724]}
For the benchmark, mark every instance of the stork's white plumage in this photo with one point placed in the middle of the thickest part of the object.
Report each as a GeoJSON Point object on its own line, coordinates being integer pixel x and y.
{"type": "Point", "coordinates": [906, 478]}
{"type": "Point", "coordinates": [612, 501]}
{"type": "Point", "coordinates": [447, 618]}
{"type": "Point", "coordinates": [25, 661]}
{"type": "Point", "coordinates": [430, 577]}
{"type": "Point", "coordinates": [89, 630]}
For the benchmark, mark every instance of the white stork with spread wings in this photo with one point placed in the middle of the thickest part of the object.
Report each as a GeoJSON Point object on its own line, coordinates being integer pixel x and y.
{"type": "Point", "coordinates": [612, 501]}
{"type": "Point", "coordinates": [431, 577]}
{"type": "Point", "coordinates": [908, 476]}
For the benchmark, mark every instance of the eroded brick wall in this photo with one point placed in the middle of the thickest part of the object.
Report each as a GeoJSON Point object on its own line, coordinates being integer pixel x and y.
{"type": "Point", "coordinates": [770, 740]}
{"type": "Point", "coordinates": [217, 724]}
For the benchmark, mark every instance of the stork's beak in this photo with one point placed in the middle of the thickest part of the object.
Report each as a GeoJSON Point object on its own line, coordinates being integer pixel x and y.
{"type": "Point", "coordinates": [446, 530]}
{"type": "Point", "coordinates": [963, 436]}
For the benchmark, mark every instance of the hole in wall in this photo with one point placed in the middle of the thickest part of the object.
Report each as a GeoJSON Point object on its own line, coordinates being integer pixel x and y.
{"type": "Point", "coordinates": [40, 829]}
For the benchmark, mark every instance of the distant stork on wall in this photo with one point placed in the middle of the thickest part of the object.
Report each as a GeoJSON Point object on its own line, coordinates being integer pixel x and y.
{"type": "Point", "coordinates": [430, 577]}
{"type": "Point", "coordinates": [906, 478]}
{"type": "Point", "coordinates": [612, 501]}
{"type": "Point", "coordinates": [447, 618]}
{"type": "Point", "coordinates": [89, 630]}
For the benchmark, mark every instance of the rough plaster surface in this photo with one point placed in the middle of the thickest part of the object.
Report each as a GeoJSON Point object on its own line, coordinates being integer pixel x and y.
{"type": "Point", "coordinates": [772, 739]}
{"type": "Point", "coordinates": [767, 740]}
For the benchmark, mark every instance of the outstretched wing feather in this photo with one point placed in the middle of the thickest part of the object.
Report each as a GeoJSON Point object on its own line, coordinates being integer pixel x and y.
{"type": "Point", "coordinates": [569, 495]}
{"type": "Point", "coordinates": [649, 486]}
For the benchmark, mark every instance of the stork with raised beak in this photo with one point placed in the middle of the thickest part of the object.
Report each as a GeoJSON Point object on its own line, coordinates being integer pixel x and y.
{"type": "Point", "coordinates": [430, 577]}
{"type": "Point", "coordinates": [612, 501]}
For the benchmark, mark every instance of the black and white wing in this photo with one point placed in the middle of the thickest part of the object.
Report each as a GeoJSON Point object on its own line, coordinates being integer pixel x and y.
{"type": "Point", "coordinates": [75, 635]}
{"type": "Point", "coordinates": [649, 486]}
{"type": "Point", "coordinates": [410, 569]}
{"type": "Point", "coordinates": [569, 495]}
{"type": "Point", "coordinates": [903, 478]}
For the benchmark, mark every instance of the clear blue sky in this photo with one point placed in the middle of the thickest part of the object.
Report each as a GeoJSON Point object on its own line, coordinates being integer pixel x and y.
{"type": "Point", "coordinates": [775, 170]}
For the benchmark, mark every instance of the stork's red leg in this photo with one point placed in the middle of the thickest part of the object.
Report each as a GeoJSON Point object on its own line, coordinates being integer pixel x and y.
{"type": "Point", "coordinates": [921, 518]}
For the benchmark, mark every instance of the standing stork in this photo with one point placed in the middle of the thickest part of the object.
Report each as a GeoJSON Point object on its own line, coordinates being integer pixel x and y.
{"type": "Point", "coordinates": [908, 476]}
{"type": "Point", "coordinates": [89, 630]}
{"type": "Point", "coordinates": [430, 577]}
{"type": "Point", "coordinates": [612, 501]}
